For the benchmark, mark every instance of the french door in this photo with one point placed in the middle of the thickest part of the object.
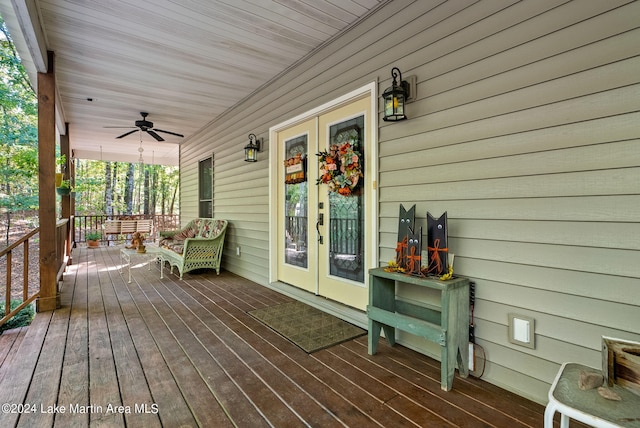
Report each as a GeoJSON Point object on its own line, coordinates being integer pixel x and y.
{"type": "Point", "coordinates": [324, 231]}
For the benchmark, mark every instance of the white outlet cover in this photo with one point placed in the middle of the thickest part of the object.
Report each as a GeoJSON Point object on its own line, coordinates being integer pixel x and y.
{"type": "Point", "coordinates": [521, 330]}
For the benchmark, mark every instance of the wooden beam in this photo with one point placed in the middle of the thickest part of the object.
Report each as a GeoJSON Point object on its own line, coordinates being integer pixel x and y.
{"type": "Point", "coordinates": [48, 299]}
{"type": "Point", "coordinates": [68, 206]}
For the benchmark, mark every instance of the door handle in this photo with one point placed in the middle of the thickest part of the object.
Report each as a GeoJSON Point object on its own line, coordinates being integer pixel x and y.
{"type": "Point", "coordinates": [319, 223]}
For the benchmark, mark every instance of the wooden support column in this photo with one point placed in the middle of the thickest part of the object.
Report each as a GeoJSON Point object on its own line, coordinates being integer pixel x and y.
{"type": "Point", "coordinates": [68, 206]}
{"type": "Point", "coordinates": [48, 299]}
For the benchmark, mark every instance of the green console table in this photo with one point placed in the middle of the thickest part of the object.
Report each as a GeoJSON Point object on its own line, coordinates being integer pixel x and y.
{"type": "Point", "coordinates": [447, 324]}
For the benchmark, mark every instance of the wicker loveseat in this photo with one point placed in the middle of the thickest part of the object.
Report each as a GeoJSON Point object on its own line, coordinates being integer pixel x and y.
{"type": "Point", "coordinates": [198, 245]}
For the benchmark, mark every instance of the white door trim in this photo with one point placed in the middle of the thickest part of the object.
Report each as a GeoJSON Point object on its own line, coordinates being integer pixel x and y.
{"type": "Point", "coordinates": [369, 89]}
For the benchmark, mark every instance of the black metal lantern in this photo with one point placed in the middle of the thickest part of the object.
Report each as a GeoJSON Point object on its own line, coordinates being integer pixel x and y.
{"type": "Point", "coordinates": [395, 98]}
{"type": "Point", "coordinates": [251, 150]}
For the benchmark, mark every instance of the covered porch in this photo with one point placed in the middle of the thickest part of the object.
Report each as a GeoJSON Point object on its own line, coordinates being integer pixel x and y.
{"type": "Point", "coordinates": [187, 353]}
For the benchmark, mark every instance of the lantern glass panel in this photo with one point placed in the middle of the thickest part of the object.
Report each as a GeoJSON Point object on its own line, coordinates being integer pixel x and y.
{"type": "Point", "coordinates": [250, 153]}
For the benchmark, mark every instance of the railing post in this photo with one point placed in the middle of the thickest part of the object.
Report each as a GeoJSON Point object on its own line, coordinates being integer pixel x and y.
{"type": "Point", "coordinates": [7, 307]}
{"type": "Point", "coordinates": [25, 270]}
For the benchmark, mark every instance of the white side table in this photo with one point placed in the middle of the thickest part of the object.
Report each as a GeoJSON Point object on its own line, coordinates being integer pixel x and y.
{"type": "Point", "coordinates": [128, 255]}
{"type": "Point", "coordinates": [588, 406]}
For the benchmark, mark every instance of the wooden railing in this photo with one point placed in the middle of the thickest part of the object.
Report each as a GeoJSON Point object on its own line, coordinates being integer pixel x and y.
{"type": "Point", "coordinates": [93, 223]}
{"type": "Point", "coordinates": [8, 254]}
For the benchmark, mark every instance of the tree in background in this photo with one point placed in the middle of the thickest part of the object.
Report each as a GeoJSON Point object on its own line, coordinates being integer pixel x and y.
{"type": "Point", "coordinates": [108, 189]}
{"type": "Point", "coordinates": [120, 188]}
{"type": "Point", "coordinates": [18, 133]}
{"type": "Point", "coordinates": [128, 189]}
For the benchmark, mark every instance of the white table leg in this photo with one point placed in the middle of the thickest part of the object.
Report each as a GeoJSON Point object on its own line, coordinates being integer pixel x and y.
{"type": "Point", "coordinates": [549, 411]}
{"type": "Point", "coordinates": [124, 256]}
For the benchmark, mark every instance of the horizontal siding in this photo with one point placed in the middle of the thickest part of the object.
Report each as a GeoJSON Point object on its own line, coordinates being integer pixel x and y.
{"type": "Point", "coordinates": [524, 129]}
{"type": "Point", "coordinates": [591, 234]}
{"type": "Point", "coordinates": [528, 139]}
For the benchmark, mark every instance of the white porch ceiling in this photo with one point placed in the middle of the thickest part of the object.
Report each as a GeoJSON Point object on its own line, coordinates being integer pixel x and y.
{"type": "Point", "coordinates": [183, 61]}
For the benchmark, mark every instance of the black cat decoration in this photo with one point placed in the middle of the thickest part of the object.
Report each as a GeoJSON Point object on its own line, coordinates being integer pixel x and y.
{"type": "Point", "coordinates": [406, 221]}
{"type": "Point", "coordinates": [437, 244]}
{"type": "Point", "coordinates": [414, 252]}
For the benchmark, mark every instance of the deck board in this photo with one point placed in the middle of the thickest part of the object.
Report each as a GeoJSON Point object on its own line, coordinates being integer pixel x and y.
{"type": "Point", "coordinates": [103, 385]}
{"type": "Point", "coordinates": [17, 380]}
{"type": "Point", "coordinates": [74, 387]}
{"type": "Point", "coordinates": [48, 371]}
{"type": "Point", "coordinates": [8, 340]}
{"type": "Point", "coordinates": [187, 353]}
{"type": "Point", "coordinates": [128, 367]}
{"type": "Point", "coordinates": [160, 381]}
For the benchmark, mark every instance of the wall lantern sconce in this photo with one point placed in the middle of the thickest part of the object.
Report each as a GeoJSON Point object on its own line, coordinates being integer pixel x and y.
{"type": "Point", "coordinates": [251, 150]}
{"type": "Point", "coordinates": [396, 97]}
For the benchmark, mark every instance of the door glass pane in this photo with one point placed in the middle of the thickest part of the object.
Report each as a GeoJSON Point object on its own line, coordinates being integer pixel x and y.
{"type": "Point", "coordinates": [296, 202]}
{"type": "Point", "coordinates": [346, 216]}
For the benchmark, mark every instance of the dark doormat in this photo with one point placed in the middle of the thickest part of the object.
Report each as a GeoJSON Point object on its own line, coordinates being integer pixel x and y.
{"type": "Point", "coordinates": [308, 327]}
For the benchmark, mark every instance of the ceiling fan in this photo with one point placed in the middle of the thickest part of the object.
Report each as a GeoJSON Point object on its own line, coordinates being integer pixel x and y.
{"type": "Point", "coordinates": [145, 126]}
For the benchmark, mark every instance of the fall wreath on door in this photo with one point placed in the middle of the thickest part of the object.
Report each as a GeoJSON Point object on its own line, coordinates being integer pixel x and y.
{"type": "Point", "coordinates": [340, 168]}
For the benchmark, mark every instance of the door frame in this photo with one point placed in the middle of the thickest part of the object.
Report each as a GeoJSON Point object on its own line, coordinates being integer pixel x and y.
{"type": "Point", "coordinates": [369, 89]}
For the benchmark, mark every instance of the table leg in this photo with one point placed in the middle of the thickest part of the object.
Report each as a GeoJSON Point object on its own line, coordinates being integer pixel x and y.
{"type": "Point", "coordinates": [374, 336]}
{"type": "Point", "coordinates": [549, 411]}
{"type": "Point", "coordinates": [123, 257]}
{"type": "Point", "coordinates": [447, 367]}
{"type": "Point", "coordinates": [390, 334]}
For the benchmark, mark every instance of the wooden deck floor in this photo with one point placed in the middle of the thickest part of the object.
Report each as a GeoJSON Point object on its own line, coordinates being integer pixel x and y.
{"type": "Point", "coordinates": [177, 353]}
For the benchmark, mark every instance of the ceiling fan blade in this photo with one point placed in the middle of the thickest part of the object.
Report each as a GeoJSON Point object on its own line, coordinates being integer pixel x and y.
{"type": "Point", "coordinates": [168, 132]}
{"type": "Point", "coordinates": [128, 133]}
{"type": "Point", "coordinates": [154, 135]}
{"type": "Point", "coordinates": [120, 127]}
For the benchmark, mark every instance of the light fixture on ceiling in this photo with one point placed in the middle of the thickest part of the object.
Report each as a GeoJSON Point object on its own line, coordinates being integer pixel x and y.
{"type": "Point", "coordinates": [395, 98]}
{"type": "Point", "coordinates": [251, 150]}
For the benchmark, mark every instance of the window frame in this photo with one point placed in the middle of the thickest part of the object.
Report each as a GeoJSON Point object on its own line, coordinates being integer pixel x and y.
{"type": "Point", "coordinates": [201, 190]}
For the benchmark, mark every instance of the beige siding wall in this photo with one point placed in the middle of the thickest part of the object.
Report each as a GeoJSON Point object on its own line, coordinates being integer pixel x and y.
{"type": "Point", "coordinates": [525, 130]}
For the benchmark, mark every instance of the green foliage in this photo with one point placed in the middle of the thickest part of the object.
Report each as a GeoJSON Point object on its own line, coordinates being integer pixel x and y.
{"type": "Point", "coordinates": [65, 184]}
{"type": "Point", "coordinates": [93, 236]}
{"type": "Point", "coordinates": [22, 318]}
{"type": "Point", "coordinates": [61, 161]}
{"type": "Point", "coordinates": [91, 185]}
{"type": "Point", "coordinates": [18, 131]}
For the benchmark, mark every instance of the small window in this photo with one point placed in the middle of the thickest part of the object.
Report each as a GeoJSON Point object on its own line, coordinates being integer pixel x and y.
{"type": "Point", "coordinates": [205, 187]}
